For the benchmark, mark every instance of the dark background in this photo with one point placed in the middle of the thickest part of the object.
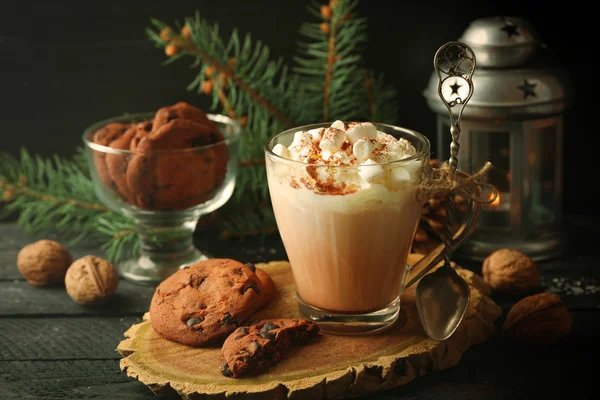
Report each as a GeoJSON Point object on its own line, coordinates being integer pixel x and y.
{"type": "Point", "coordinates": [66, 64]}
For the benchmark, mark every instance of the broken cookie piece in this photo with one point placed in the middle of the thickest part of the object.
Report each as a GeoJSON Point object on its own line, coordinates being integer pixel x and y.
{"type": "Point", "coordinates": [252, 349]}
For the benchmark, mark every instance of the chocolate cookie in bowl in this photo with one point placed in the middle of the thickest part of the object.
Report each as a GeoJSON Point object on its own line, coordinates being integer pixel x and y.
{"type": "Point", "coordinates": [142, 130]}
{"type": "Point", "coordinates": [163, 169]}
{"type": "Point", "coordinates": [104, 136]}
{"type": "Point", "coordinates": [166, 181]}
{"type": "Point", "coordinates": [117, 164]}
{"type": "Point", "coordinates": [181, 110]}
{"type": "Point", "coordinates": [170, 160]}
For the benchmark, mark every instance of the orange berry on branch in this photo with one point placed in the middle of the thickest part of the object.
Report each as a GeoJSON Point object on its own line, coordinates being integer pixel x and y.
{"type": "Point", "coordinates": [244, 120]}
{"type": "Point", "coordinates": [333, 4]}
{"type": "Point", "coordinates": [207, 87]}
{"type": "Point", "coordinates": [166, 34]}
{"type": "Point", "coordinates": [7, 196]}
{"type": "Point", "coordinates": [186, 32]}
{"type": "Point", "coordinates": [325, 28]}
{"type": "Point", "coordinates": [326, 11]}
{"type": "Point", "coordinates": [171, 50]}
{"type": "Point", "coordinates": [209, 71]}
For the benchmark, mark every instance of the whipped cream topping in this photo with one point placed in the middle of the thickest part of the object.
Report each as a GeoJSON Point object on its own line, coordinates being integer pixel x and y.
{"type": "Point", "coordinates": [355, 144]}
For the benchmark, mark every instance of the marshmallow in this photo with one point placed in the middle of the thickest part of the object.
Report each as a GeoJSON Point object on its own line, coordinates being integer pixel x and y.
{"type": "Point", "coordinates": [316, 134]}
{"type": "Point", "coordinates": [397, 177]}
{"type": "Point", "coordinates": [398, 149]}
{"type": "Point", "coordinates": [385, 137]}
{"type": "Point", "coordinates": [362, 130]}
{"type": "Point", "coordinates": [301, 139]}
{"type": "Point", "coordinates": [362, 150]}
{"type": "Point", "coordinates": [339, 125]}
{"type": "Point", "coordinates": [340, 158]}
{"type": "Point", "coordinates": [307, 153]}
{"type": "Point", "coordinates": [413, 167]}
{"type": "Point", "coordinates": [332, 140]}
{"type": "Point", "coordinates": [281, 151]}
{"type": "Point", "coordinates": [407, 147]}
{"type": "Point", "coordinates": [371, 173]}
{"type": "Point", "coordinates": [325, 155]}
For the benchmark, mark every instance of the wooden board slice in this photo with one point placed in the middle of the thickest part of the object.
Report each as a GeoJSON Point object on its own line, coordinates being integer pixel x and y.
{"type": "Point", "coordinates": [331, 367]}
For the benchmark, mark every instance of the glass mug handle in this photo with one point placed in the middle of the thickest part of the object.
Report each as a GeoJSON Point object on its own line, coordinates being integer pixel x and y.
{"type": "Point", "coordinates": [434, 257]}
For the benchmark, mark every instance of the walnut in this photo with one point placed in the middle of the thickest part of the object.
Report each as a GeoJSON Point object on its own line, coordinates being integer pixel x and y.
{"type": "Point", "coordinates": [540, 319]}
{"type": "Point", "coordinates": [44, 262]}
{"type": "Point", "coordinates": [91, 280]}
{"type": "Point", "coordinates": [510, 271]}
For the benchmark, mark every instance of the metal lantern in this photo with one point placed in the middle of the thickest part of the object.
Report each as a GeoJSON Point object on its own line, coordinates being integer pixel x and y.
{"type": "Point", "coordinates": [515, 120]}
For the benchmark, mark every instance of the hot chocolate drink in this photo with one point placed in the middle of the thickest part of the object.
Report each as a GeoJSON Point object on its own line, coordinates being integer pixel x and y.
{"type": "Point", "coordinates": [344, 197]}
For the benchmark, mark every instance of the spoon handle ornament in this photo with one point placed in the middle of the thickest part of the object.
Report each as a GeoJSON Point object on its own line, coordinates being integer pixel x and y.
{"type": "Point", "coordinates": [454, 64]}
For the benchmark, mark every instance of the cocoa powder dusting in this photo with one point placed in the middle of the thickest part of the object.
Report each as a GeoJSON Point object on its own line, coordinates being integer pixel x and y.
{"type": "Point", "coordinates": [306, 183]}
{"type": "Point", "coordinates": [330, 187]}
{"type": "Point", "coordinates": [312, 172]}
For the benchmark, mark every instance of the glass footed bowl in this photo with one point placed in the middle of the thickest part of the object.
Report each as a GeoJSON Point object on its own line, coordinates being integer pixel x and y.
{"type": "Point", "coordinates": [164, 192]}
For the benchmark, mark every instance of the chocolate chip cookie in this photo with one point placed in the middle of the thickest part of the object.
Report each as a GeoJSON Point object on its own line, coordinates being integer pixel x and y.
{"type": "Point", "coordinates": [110, 132]}
{"type": "Point", "coordinates": [171, 181]}
{"type": "Point", "coordinates": [181, 110]}
{"type": "Point", "coordinates": [143, 129]}
{"type": "Point", "coordinates": [104, 136]}
{"type": "Point", "coordinates": [252, 349]}
{"type": "Point", "coordinates": [206, 301]}
{"type": "Point", "coordinates": [117, 163]}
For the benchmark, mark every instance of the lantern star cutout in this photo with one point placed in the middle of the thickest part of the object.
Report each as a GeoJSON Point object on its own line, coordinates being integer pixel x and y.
{"type": "Point", "coordinates": [510, 29]}
{"type": "Point", "coordinates": [528, 89]}
{"type": "Point", "coordinates": [455, 86]}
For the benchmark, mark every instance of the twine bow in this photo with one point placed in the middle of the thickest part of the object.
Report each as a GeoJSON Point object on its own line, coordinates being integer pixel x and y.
{"type": "Point", "coordinates": [444, 181]}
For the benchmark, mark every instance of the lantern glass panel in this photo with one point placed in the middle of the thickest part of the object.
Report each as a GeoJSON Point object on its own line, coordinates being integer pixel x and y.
{"type": "Point", "coordinates": [494, 146]}
{"type": "Point", "coordinates": [543, 160]}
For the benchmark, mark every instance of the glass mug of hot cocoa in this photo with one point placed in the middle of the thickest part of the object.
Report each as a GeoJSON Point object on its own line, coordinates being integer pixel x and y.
{"type": "Point", "coordinates": [345, 200]}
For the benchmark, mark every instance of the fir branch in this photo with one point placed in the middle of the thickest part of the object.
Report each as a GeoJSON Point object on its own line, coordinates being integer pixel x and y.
{"type": "Point", "coordinates": [208, 46]}
{"type": "Point", "coordinates": [56, 195]}
{"type": "Point", "coordinates": [21, 189]}
{"type": "Point", "coordinates": [331, 52]}
{"type": "Point", "coordinates": [50, 195]}
{"type": "Point", "coordinates": [226, 106]}
{"type": "Point", "coordinates": [123, 241]}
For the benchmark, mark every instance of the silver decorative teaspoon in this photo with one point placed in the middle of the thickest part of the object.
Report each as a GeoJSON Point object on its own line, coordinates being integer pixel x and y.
{"type": "Point", "coordinates": [442, 297]}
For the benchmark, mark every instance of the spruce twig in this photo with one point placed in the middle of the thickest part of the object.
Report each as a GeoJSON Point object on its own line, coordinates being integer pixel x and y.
{"type": "Point", "coordinates": [50, 195]}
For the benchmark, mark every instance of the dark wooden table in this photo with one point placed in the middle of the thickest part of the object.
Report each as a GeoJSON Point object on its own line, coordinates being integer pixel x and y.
{"type": "Point", "coordinates": [53, 348]}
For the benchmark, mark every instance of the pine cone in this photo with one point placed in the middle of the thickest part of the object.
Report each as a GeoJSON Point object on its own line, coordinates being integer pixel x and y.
{"type": "Point", "coordinates": [434, 220]}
